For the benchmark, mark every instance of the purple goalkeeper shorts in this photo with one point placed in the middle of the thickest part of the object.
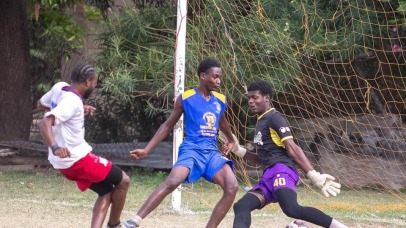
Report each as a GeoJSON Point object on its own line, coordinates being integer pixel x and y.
{"type": "Point", "coordinates": [276, 177]}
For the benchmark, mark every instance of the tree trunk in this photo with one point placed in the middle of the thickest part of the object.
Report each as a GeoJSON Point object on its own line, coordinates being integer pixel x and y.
{"type": "Point", "coordinates": [15, 81]}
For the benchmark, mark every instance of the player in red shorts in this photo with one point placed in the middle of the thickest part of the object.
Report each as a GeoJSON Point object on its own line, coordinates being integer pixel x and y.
{"type": "Point", "coordinates": [278, 155]}
{"type": "Point", "coordinates": [63, 130]}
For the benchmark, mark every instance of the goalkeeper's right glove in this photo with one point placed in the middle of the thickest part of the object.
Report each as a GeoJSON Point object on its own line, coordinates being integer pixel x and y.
{"type": "Point", "coordinates": [325, 182]}
{"type": "Point", "coordinates": [237, 148]}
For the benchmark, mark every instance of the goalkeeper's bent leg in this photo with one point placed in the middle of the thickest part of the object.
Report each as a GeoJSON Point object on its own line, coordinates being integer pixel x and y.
{"type": "Point", "coordinates": [243, 208]}
{"type": "Point", "coordinates": [287, 200]}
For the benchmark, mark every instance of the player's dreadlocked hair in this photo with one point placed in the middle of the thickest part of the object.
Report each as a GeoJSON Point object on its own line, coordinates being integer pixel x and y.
{"type": "Point", "coordinates": [82, 72]}
{"type": "Point", "coordinates": [206, 64]}
{"type": "Point", "coordinates": [264, 87]}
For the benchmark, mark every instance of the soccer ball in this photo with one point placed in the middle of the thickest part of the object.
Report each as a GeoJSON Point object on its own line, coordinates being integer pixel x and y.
{"type": "Point", "coordinates": [297, 224]}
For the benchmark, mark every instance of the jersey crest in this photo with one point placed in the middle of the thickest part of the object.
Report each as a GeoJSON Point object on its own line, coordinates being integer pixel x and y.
{"type": "Point", "coordinates": [218, 107]}
{"type": "Point", "coordinates": [258, 139]}
{"type": "Point", "coordinates": [210, 120]}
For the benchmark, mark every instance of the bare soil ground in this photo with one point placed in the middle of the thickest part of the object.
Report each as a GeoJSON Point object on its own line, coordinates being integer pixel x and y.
{"type": "Point", "coordinates": [61, 211]}
{"type": "Point", "coordinates": [45, 214]}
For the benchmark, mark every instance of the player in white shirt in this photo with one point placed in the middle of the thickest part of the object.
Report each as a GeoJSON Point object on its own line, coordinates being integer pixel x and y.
{"type": "Point", "coordinates": [63, 130]}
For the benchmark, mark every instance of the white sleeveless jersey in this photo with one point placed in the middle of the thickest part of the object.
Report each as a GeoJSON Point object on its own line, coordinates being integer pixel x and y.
{"type": "Point", "coordinates": [69, 129]}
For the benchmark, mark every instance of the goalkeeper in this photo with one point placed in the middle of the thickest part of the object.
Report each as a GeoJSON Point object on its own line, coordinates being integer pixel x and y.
{"type": "Point", "coordinates": [277, 153]}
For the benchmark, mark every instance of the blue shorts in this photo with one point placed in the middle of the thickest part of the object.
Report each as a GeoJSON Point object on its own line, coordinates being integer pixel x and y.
{"type": "Point", "coordinates": [276, 177]}
{"type": "Point", "coordinates": [201, 162]}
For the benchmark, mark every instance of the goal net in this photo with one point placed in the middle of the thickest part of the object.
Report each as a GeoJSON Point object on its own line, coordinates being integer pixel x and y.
{"type": "Point", "coordinates": [338, 70]}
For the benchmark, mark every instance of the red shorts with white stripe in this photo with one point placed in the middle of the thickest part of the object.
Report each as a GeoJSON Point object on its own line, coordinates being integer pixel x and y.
{"type": "Point", "coordinates": [88, 170]}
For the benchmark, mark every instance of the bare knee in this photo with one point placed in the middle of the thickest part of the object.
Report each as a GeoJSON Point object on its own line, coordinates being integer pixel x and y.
{"type": "Point", "coordinates": [125, 181]}
{"type": "Point", "coordinates": [231, 187]}
{"type": "Point", "coordinates": [102, 204]}
{"type": "Point", "coordinates": [227, 181]}
{"type": "Point", "coordinates": [170, 184]}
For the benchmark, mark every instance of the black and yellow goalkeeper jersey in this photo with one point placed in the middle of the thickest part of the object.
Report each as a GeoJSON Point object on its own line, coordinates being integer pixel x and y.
{"type": "Point", "coordinates": [271, 130]}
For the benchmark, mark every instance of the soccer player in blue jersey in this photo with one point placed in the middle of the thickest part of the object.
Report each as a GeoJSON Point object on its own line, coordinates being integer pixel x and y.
{"type": "Point", "coordinates": [278, 155]}
{"type": "Point", "coordinates": [203, 110]}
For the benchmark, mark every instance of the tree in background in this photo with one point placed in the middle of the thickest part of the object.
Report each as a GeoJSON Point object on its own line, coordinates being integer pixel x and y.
{"type": "Point", "coordinates": [136, 72]}
{"type": "Point", "coordinates": [15, 82]}
{"type": "Point", "coordinates": [36, 38]}
{"type": "Point", "coordinates": [55, 38]}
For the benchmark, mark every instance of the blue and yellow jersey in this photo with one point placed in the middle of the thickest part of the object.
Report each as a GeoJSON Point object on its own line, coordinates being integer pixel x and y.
{"type": "Point", "coordinates": [202, 116]}
{"type": "Point", "coordinates": [270, 132]}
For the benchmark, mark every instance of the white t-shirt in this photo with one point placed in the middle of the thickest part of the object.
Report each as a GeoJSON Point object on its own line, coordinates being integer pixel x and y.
{"type": "Point", "coordinates": [69, 129]}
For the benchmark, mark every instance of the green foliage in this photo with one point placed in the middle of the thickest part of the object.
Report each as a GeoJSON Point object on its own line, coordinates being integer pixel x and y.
{"type": "Point", "coordinates": [55, 3]}
{"type": "Point", "coordinates": [137, 56]}
{"type": "Point", "coordinates": [92, 13]}
{"type": "Point", "coordinates": [265, 39]}
{"type": "Point", "coordinates": [62, 27]}
{"type": "Point", "coordinates": [54, 36]}
{"type": "Point", "coordinates": [136, 73]}
{"type": "Point", "coordinates": [335, 29]}
{"type": "Point", "coordinates": [117, 120]}
{"type": "Point", "coordinates": [402, 6]}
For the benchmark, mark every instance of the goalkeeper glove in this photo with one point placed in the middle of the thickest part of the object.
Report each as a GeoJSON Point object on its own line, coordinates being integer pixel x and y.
{"type": "Point", "coordinates": [237, 148]}
{"type": "Point", "coordinates": [325, 182]}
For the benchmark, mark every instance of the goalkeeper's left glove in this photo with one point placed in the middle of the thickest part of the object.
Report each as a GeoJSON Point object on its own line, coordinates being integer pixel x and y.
{"type": "Point", "coordinates": [237, 148]}
{"type": "Point", "coordinates": [325, 182]}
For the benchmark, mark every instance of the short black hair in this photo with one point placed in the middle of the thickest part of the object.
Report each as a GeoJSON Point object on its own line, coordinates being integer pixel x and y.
{"type": "Point", "coordinates": [82, 72]}
{"type": "Point", "coordinates": [207, 64]}
{"type": "Point", "coordinates": [264, 87]}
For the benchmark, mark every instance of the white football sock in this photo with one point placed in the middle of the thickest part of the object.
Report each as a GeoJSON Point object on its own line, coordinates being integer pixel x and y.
{"type": "Point", "coordinates": [137, 220]}
{"type": "Point", "coordinates": [337, 224]}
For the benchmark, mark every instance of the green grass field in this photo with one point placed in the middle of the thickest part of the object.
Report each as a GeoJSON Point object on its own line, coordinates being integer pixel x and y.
{"type": "Point", "coordinates": [43, 198]}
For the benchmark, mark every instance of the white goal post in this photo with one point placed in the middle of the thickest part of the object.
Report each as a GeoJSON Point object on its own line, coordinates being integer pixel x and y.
{"type": "Point", "coordinates": [179, 73]}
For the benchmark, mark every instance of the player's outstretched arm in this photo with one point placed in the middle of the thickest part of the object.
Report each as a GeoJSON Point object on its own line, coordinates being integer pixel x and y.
{"type": "Point", "coordinates": [323, 181]}
{"type": "Point", "coordinates": [162, 132]}
{"type": "Point", "coordinates": [239, 150]}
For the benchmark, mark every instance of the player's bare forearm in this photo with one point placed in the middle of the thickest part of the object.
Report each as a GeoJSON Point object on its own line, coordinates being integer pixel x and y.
{"type": "Point", "coordinates": [296, 153]}
{"type": "Point", "coordinates": [166, 127]}
{"type": "Point", "coordinates": [225, 128]}
{"type": "Point", "coordinates": [160, 135]}
{"type": "Point", "coordinates": [45, 128]}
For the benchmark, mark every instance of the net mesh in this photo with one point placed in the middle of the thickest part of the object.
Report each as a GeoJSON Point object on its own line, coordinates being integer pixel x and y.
{"type": "Point", "coordinates": [338, 72]}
